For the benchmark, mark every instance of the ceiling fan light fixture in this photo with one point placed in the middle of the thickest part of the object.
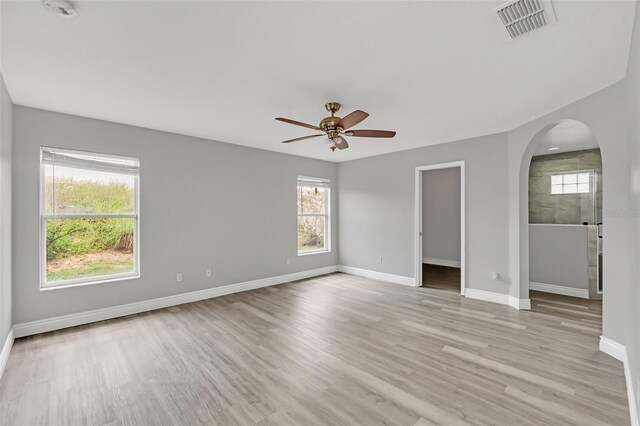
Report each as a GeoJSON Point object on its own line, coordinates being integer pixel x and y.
{"type": "Point", "coordinates": [334, 128]}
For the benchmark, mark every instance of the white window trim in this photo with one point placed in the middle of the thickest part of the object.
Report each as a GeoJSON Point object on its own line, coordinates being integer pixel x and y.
{"type": "Point", "coordinates": [591, 183]}
{"type": "Point", "coordinates": [58, 285]}
{"type": "Point", "coordinates": [325, 183]}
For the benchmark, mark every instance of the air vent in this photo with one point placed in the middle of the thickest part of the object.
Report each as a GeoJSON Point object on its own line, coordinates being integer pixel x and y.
{"type": "Point", "coordinates": [60, 8]}
{"type": "Point", "coordinates": [520, 17]}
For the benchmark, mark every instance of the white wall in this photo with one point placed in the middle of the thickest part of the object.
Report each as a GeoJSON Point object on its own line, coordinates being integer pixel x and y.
{"type": "Point", "coordinates": [377, 208]}
{"type": "Point", "coordinates": [441, 214]}
{"type": "Point", "coordinates": [6, 122]}
{"type": "Point", "coordinates": [202, 204]}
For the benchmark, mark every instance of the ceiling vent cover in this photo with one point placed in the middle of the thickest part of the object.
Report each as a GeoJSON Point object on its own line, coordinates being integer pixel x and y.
{"type": "Point", "coordinates": [520, 17]}
{"type": "Point", "coordinates": [60, 8]}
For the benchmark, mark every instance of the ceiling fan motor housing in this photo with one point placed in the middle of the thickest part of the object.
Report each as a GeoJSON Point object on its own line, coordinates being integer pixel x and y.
{"type": "Point", "coordinates": [330, 124]}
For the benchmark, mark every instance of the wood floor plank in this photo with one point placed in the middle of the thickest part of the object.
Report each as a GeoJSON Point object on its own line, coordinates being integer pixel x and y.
{"type": "Point", "coordinates": [337, 349]}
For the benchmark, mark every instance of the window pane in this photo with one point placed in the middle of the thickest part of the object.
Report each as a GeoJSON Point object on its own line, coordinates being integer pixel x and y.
{"type": "Point", "coordinates": [311, 200]}
{"type": "Point", "coordinates": [583, 178]}
{"type": "Point", "coordinates": [48, 189]}
{"type": "Point", "coordinates": [88, 191]}
{"type": "Point", "coordinates": [583, 188]}
{"type": "Point", "coordinates": [572, 178]}
{"type": "Point", "coordinates": [83, 248]}
{"type": "Point", "coordinates": [556, 179]}
{"type": "Point", "coordinates": [571, 189]}
{"type": "Point", "coordinates": [311, 233]}
{"type": "Point", "coordinates": [556, 189]}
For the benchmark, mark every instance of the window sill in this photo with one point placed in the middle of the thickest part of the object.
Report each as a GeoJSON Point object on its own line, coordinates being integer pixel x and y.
{"type": "Point", "coordinates": [307, 253]}
{"type": "Point", "coordinates": [49, 286]}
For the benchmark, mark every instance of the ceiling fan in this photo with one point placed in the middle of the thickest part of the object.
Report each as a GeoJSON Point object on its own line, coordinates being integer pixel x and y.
{"type": "Point", "coordinates": [335, 128]}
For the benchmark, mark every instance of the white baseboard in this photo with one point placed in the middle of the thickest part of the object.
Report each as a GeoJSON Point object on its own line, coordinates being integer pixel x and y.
{"type": "Point", "coordinates": [56, 323]}
{"type": "Point", "coordinates": [441, 262]}
{"type": "Point", "coordinates": [487, 296]}
{"type": "Point", "coordinates": [6, 350]}
{"type": "Point", "coordinates": [503, 299]}
{"type": "Point", "coordinates": [520, 304]}
{"type": "Point", "coordinates": [613, 348]}
{"type": "Point", "coordinates": [619, 352]}
{"type": "Point", "coordinates": [582, 293]}
{"type": "Point", "coordinates": [380, 276]}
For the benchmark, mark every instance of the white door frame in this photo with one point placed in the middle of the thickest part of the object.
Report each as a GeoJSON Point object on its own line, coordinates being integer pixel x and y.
{"type": "Point", "coordinates": [418, 220]}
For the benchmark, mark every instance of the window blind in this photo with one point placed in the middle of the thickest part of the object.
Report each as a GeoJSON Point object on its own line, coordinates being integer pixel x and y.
{"type": "Point", "coordinates": [314, 182]}
{"type": "Point", "coordinates": [87, 161]}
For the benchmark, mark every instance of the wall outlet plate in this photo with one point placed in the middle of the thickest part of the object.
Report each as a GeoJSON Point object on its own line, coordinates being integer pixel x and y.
{"type": "Point", "coordinates": [379, 259]}
{"type": "Point", "coordinates": [179, 277]}
{"type": "Point", "coordinates": [207, 272]}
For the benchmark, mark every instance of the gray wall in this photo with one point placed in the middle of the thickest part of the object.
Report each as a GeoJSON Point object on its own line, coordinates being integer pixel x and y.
{"type": "Point", "coordinates": [376, 204]}
{"type": "Point", "coordinates": [6, 123]}
{"type": "Point", "coordinates": [441, 214]}
{"type": "Point", "coordinates": [632, 286]}
{"type": "Point", "coordinates": [377, 209]}
{"type": "Point", "coordinates": [558, 255]}
{"type": "Point", "coordinates": [566, 208]}
{"type": "Point", "coordinates": [613, 114]}
{"type": "Point", "coordinates": [202, 204]}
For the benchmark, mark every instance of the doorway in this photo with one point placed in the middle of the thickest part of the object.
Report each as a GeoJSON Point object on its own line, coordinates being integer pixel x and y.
{"type": "Point", "coordinates": [565, 222]}
{"type": "Point", "coordinates": [440, 226]}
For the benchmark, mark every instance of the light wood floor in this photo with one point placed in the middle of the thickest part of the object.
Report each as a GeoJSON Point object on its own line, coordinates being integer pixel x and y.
{"type": "Point", "coordinates": [336, 349]}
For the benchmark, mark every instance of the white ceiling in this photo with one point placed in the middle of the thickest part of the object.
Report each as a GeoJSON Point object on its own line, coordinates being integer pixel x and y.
{"type": "Point", "coordinates": [566, 136]}
{"type": "Point", "coordinates": [433, 71]}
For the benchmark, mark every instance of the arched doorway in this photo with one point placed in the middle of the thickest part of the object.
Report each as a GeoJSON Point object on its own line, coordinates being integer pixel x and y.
{"type": "Point", "coordinates": [563, 168]}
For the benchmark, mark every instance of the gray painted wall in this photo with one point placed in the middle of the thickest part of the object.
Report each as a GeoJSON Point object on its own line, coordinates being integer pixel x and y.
{"type": "Point", "coordinates": [613, 115]}
{"type": "Point", "coordinates": [632, 286]}
{"type": "Point", "coordinates": [376, 204]}
{"type": "Point", "coordinates": [6, 123]}
{"type": "Point", "coordinates": [441, 214]}
{"type": "Point", "coordinates": [559, 255]}
{"type": "Point", "coordinates": [545, 207]}
{"type": "Point", "coordinates": [202, 204]}
{"type": "Point", "coordinates": [377, 209]}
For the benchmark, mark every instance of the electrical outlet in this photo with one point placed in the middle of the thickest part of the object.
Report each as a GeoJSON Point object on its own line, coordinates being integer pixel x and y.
{"type": "Point", "coordinates": [379, 259]}
{"type": "Point", "coordinates": [207, 272]}
{"type": "Point", "coordinates": [288, 261]}
{"type": "Point", "coordinates": [179, 277]}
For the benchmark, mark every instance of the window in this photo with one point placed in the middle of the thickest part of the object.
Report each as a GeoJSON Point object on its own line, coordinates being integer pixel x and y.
{"type": "Point", "coordinates": [88, 217]}
{"type": "Point", "coordinates": [313, 215]}
{"type": "Point", "coordinates": [571, 183]}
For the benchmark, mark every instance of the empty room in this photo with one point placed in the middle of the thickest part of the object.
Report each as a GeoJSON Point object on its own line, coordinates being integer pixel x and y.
{"type": "Point", "coordinates": [319, 212]}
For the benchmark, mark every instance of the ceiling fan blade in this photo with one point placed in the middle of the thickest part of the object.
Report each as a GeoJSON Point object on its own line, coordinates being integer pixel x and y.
{"type": "Point", "coordinates": [340, 142]}
{"type": "Point", "coordinates": [298, 123]}
{"type": "Point", "coordinates": [302, 138]}
{"type": "Point", "coordinates": [371, 133]}
{"type": "Point", "coordinates": [352, 119]}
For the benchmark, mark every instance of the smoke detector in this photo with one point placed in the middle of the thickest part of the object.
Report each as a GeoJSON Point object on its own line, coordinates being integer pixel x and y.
{"type": "Point", "coordinates": [519, 17]}
{"type": "Point", "coordinates": [60, 8]}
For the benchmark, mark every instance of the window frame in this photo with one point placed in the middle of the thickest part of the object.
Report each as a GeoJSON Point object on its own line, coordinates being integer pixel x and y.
{"type": "Point", "coordinates": [326, 184]}
{"type": "Point", "coordinates": [576, 173]}
{"type": "Point", "coordinates": [135, 274]}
